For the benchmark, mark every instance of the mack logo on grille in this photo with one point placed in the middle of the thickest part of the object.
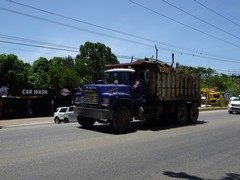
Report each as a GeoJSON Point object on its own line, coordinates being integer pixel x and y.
{"type": "Point", "coordinates": [90, 87]}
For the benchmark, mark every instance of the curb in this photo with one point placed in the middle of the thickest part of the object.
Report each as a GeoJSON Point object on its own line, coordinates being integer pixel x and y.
{"type": "Point", "coordinates": [25, 122]}
{"type": "Point", "coordinates": [212, 108]}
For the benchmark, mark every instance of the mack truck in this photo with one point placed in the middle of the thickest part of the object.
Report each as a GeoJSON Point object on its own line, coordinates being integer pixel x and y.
{"type": "Point", "coordinates": [139, 90]}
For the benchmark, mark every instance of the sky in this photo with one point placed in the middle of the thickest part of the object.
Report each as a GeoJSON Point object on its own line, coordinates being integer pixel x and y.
{"type": "Point", "coordinates": [200, 33]}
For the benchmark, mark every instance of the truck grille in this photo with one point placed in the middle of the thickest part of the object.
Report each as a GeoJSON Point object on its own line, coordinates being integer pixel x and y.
{"type": "Point", "coordinates": [90, 97]}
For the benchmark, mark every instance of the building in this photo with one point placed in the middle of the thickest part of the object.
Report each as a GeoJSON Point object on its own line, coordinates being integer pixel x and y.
{"type": "Point", "coordinates": [28, 102]}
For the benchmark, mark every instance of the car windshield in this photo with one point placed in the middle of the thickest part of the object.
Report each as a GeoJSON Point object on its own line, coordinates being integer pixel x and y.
{"type": "Point", "coordinates": [121, 77]}
{"type": "Point", "coordinates": [236, 99]}
{"type": "Point", "coordinates": [63, 110]}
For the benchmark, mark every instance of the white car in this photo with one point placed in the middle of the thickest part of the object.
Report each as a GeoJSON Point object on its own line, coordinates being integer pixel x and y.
{"type": "Point", "coordinates": [64, 114]}
{"type": "Point", "coordinates": [234, 105]}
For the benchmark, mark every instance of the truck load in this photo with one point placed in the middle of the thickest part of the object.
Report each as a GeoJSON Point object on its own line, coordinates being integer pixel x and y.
{"type": "Point", "coordinates": [143, 90]}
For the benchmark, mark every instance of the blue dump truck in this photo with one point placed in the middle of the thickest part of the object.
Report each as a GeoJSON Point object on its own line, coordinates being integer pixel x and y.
{"type": "Point", "coordinates": [141, 90]}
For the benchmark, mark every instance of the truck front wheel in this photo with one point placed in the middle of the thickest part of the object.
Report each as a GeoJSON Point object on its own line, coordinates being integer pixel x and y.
{"type": "Point", "coordinates": [85, 121]}
{"type": "Point", "coordinates": [121, 120]}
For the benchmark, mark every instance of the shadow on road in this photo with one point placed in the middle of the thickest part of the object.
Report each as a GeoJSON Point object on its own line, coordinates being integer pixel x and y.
{"type": "Point", "coordinates": [143, 126]}
{"type": "Point", "coordinates": [183, 175]}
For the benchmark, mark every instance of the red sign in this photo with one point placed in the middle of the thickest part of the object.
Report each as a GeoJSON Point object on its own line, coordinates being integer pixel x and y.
{"type": "Point", "coordinates": [65, 92]}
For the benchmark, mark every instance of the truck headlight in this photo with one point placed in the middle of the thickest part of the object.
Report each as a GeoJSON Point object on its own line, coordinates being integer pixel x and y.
{"type": "Point", "coordinates": [105, 101]}
{"type": "Point", "coordinates": [79, 100]}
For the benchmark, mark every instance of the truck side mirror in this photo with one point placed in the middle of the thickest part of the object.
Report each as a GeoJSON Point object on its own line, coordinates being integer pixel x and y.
{"type": "Point", "coordinates": [146, 75]}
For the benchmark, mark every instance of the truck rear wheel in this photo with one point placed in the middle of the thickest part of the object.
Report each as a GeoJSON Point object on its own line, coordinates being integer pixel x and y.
{"type": "Point", "coordinates": [193, 113]}
{"type": "Point", "coordinates": [182, 114]}
{"type": "Point", "coordinates": [85, 121]}
{"type": "Point", "coordinates": [121, 120]}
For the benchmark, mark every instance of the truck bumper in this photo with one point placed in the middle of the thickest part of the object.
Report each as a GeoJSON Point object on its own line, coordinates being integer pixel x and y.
{"type": "Point", "coordinates": [93, 113]}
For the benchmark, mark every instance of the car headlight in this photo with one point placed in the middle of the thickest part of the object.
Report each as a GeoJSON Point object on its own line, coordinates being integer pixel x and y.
{"type": "Point", "coordinates": [105, 101]}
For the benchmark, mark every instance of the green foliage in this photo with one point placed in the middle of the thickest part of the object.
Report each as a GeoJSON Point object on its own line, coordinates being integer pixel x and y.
{"type": "Point", "coordinates": [205, 73]}
{"type": "Point", "coordinates": [39, 73]}
{"type": "Point", "coordinates": [61, 76]}
{"type": "Point", "coordinates": [13, 71]}
{"type": "Point", "coordinates": [65, 62]}
{"type": "Point", "coordinates": [83, 70]}
{"type": "Point", "coordinates": [219, 82]}
{"type": "Point", "coordinates": [57, 72]}
{"type": "Point", "coordinates": [93, 58]}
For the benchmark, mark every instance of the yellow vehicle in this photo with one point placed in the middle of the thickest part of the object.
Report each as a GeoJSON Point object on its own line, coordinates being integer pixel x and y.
{"type": "Point", "coordinates": [205, 96]}
{"type": "Point", "coordinates": [218, 99]}
{"type": "Point", "coordinates": [214, 98]}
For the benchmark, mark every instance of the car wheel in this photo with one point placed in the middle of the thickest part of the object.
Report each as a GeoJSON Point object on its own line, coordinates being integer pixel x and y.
{"type": "Point", "coordinates": [57, 120]}
{"type": "Point", "coordinates": [230, 112]}
{"type": "Point", "coordinates": [66, 120]}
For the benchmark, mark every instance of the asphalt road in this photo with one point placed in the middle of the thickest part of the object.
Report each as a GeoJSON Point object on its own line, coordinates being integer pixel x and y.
{"type": "Point", "coordinates": [208, 150]}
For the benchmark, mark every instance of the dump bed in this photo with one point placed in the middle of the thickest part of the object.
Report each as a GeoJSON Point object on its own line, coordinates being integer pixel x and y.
{"type": "Point", "coordinates": [174, 86]}
{"type": "Point", "coordinates": [165, 82]}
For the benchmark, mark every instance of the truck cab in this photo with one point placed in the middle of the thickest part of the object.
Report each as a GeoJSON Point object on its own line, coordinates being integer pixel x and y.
{"type": "Point", "coordinates": [121, 90]}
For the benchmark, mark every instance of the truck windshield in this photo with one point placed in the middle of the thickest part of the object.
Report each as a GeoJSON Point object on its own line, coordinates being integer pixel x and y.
{"type": "Point", "coordinates": [121, 77]}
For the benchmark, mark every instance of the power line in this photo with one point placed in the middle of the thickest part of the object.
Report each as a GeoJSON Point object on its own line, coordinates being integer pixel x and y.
{"type": "Point", "coordinates": [38, 46]}
{"type": "Point", "coordinates": [188, 26]}
{"type": "Point", "coordinates": [215, 12]}
{"type": "Point", "coordinates": [220, 29]}
{"type": "Point", "coordinates": [60, 49]}
{"type": "Point", "coordinates": [117, 31]}
{"type": "Point", "coordinates": [34, 41]}
{"type": "Point", "coordinates": [123, 39]}
{"type": "Point", "coordinates": [74, 50]}
{"type": "Point", "coordinates": [101, 27]}
{"type": "Point", "coordinates": [74, 27]}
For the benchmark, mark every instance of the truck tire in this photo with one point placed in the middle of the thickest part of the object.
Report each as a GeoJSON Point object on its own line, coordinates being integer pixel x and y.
{"type": "Point", "coordinates": [182, 114]}
{"type": "Point", "coordinates": [193, 113]}
{"type": "Point", "coordinates": [85, 121]}
{"type": "Point", "coordinates": [121, 120]}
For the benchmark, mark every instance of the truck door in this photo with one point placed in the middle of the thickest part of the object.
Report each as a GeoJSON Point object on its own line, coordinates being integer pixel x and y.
{"type": "Point", "coordinates": [139, 89]}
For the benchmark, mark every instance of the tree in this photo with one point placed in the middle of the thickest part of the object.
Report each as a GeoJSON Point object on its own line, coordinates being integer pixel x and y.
{"type": "Point", "coordinates": [66, 61]}
{"type": "Point", "coordinates": [39, 73]}
{"type": "Point", "coordinates": [219, 82]}
{"type": "Point", "coordinates": [205, 73]}
{"type": "Point", "coordinates": [62, 73]}
{"type": "Point", "coordinates": [13, 71]}
{"type": "Point", "coordinates": [92, 59]}
{"type": "Point", "coordinates": [83, 71]}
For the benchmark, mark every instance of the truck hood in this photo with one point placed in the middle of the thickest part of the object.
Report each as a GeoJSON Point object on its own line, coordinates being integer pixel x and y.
{"type": "Point", "coordinates": [109, 88]}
